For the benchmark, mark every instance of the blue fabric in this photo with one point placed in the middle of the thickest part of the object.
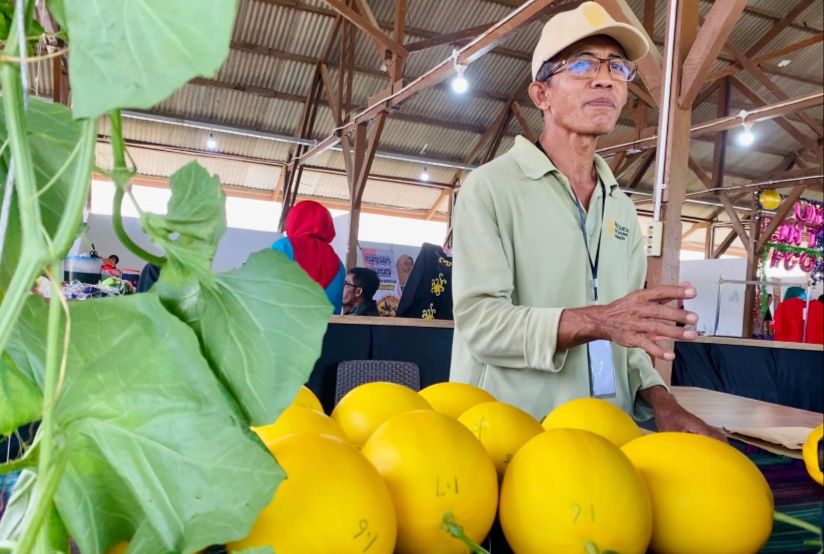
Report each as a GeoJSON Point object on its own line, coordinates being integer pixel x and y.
{"type": "Point", "coordinates": [334, 290]}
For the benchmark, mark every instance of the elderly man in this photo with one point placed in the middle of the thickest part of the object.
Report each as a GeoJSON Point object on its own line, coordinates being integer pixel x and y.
{"type": "Point", "coordinates": [549, 257]}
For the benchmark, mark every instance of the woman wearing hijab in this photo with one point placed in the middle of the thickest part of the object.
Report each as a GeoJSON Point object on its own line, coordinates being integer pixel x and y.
{"type": "Point", "coordinates": [309, 232]}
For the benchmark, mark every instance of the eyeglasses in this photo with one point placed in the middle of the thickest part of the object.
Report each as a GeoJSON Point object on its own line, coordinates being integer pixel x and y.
{"type": "Point", "coordinates": [348, 284]}
{"type": "Point", "coordinates": [587, 67]}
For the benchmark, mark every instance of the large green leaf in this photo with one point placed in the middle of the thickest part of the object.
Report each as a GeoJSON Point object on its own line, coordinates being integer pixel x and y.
{"type": "Point", "coordinates": [195, 221]}
{"type": "Point", "coordinates": [135, 53]}
{"type": "Point", "coordinates": [53, 135]}
{"type": "Point", "coordinates": [262, 330]}
{"type": "Point", "coordinates": [20, 398]}
{"type": "Point", "coordinates": [158, 453]}
{"type": "Point", "coordinates": [261, 326]}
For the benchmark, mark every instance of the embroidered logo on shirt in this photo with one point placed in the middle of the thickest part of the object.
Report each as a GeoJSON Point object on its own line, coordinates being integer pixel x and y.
{"type": "Point", "coordinates": [438, 285]}
{"type": "Point", "coordinates": [617, 230]}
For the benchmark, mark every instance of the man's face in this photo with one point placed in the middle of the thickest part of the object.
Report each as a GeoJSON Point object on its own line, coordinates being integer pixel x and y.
{"type": "Point", "coordinates": [587, 106]}
{"type": "Point", "coordinates": [351, 293]}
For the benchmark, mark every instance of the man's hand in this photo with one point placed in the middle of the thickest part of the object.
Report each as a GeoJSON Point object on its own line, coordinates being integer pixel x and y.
{"type": "Point", "coordinates": [671, 416]}
{"type": "Point", "coordinates": [637, 320]}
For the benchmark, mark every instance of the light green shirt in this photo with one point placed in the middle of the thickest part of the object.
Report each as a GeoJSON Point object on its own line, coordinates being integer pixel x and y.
{"type": "Point", "coordinates": [519, 260]}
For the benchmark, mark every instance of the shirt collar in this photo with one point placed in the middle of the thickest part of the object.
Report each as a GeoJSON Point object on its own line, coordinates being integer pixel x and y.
{"type": "Point", "coordinates": [535, 164]}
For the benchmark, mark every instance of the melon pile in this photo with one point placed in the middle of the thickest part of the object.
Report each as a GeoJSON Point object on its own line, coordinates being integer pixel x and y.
{"type": "Point", "coordinates": [394, 470]}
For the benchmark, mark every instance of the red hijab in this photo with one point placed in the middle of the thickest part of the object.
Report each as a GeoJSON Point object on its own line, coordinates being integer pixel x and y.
{"type": "Point", "coordinates": [310, 229]}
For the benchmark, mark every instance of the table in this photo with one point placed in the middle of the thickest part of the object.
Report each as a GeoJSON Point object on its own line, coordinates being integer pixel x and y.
{"type": "Point", "coordinates": [726, 410]}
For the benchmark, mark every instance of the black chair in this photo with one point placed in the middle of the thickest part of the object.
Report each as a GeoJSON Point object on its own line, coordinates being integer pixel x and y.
{"type": "Point", "coordinates": [357, 372]}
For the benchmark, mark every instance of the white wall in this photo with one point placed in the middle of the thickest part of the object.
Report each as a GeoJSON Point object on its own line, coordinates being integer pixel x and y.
{"type": "Point", "coordinates": [232, 251]}
{"type": "Point", "coordinates": [704, 276]}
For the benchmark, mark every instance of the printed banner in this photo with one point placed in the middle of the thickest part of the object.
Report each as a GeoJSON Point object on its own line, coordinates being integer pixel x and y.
{"type": "Point", "coordinates": [382, 262]}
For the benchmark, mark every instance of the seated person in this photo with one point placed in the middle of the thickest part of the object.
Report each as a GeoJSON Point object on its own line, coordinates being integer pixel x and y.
{"type": "Point", "coordinates": [359, 287]}
{"type": "Point", "coordinates": [309, 232]}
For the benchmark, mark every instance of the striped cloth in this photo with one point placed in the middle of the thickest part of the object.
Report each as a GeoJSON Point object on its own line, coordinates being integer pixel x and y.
{"type": "Point", "coordinates": [795, 493]}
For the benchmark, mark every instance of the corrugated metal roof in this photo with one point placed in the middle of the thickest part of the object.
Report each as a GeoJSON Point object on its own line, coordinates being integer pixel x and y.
{"type": "Point", "coordinates": [271, 89]}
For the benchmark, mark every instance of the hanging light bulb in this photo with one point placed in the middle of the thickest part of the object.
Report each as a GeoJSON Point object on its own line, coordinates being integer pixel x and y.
{"type": "Point", "coordinates": [211, 142]}
{"type": "Point", "coordinates": [459, 83]}
{"type": "Point", "coordinates": [745, 137]}
{"type": "Point", "coordinates": [424, 174]}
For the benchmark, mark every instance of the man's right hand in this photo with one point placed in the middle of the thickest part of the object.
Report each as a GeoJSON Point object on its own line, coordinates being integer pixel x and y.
{"type": "Point", "coordinates": [637, 320]}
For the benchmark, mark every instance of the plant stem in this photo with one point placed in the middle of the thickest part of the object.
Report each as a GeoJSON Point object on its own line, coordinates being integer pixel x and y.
{"type": "Point", "coordinates": [121, 176]}
{"type": "Point", "coordinates": [28, 459]}
{"type": "Point", "coordinates": [45, 488]}
{"type": "Point", "coordinates": [81, 181]}
{"type": "Point", "coordinates": [452, 527]}
{"type": "Point", "coordinates": [794, 521]}
{"type": "Point", "coordinates": [33, 250]}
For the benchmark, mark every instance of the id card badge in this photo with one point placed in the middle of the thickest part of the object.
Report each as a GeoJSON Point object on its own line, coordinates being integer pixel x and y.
{"type": "Point", "coordinates": [601, 369]}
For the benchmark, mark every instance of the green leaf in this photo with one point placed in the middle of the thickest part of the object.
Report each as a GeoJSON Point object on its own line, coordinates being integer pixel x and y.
{"type": "Point", "coordinates": [53, 136]}
{"type": "Point", "coordinates": [260, 326]}
{"type": "Point", "coordinates": [193, 226]}
{"type": "Point", "coordinates": [262, 330]}
{"type": "Point", "coordinates": [135, 53]}
{"type": "Point", "coordinates": [20, 398]}
{"type": "Point", "coordinates": [58, 10]}
{"type": "Point", "coordinates": [158, 454]}
{"type": "Point", "coordinates": [258, 550]}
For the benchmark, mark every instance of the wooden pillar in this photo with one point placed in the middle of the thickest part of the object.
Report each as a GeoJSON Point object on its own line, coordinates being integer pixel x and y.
{"type": "Point", "coordinates": [752, 272]}
{"type": "Point", "coordinates": [365, 145]}
{"type": "Point", "coordinates": [720, 152]}
{"type": "Point", "coordinates": [664, 269]}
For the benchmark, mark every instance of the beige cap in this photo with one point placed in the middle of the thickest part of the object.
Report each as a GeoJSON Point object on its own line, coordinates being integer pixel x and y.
{"type": "Point", "coordinates": [587, 20]}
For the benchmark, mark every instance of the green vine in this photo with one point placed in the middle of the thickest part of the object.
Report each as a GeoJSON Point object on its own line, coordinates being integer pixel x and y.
{"type": "Point", "coordinates": [454, 529]}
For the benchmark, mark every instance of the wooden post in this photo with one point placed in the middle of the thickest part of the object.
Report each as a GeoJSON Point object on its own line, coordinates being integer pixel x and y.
{"type": "Point", "coordinates": [664, 269]}
{"type": "Point", "coordinates": [720, 152]}
{"type": "Point", "coordinates": [366, 144]}
{"type": "Point", "coordinates": [752, 273]}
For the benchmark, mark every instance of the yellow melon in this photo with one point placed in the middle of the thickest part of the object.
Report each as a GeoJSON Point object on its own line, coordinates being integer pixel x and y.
{"type": "Point", "coordinates": [332, 500]}
{"type": "Point", "coordinates": [297, 419]}
{"type": "Point", "coordinates": [813, 453]}
{"type": "Point", "coordinates": [307, 399]}
{"type": "Point", "coordinates": [707, 496]}
{"type": "Point", "coordinates": [433, 466]}
{"type": "Point", "coordinates": [364, 408]}
{"type": "Point", "coordinates": [453, 399]}
{"type": "Point", "coordinates": [502, 430]}
{"type": "Point", "coordinates": [572, 491]}
{"type": "Point", "coordinates": [595, 415]}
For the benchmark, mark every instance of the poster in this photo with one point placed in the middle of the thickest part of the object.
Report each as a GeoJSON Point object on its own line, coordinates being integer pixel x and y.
{"type": "Point", "coordinates": [382, 262]}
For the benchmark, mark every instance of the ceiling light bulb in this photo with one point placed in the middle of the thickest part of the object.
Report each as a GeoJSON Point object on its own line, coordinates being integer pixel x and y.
{"type": "Point", "coordinates": [211, 142]}
{"type": "Point", "coordinates": [746, 137]}
{"type": "Point", "coordinates": [424, 175]}
{"type": "Point", "coordinates": [459, 84]}
{"type": "Point", "coordinates": [784, 63]}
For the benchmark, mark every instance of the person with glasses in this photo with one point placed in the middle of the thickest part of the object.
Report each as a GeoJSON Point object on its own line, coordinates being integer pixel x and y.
{"type": "Point", "coordinates": [549, 258]}
{"type": "Point", "coordinates": [359, 288]}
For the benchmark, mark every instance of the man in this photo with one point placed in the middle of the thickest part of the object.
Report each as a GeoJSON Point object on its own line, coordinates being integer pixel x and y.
{"type": "Point", "coordinates": [548, 250]}
{"type": "Point", "coordinates": [359, 287]}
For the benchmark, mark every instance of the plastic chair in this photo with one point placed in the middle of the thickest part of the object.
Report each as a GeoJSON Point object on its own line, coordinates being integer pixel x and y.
{"type": "Point", "coordinates": [357, 372]}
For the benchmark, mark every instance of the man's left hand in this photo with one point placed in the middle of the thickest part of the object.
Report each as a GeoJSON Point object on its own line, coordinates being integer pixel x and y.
{"type": "Point", "coordinates": [671, 416]}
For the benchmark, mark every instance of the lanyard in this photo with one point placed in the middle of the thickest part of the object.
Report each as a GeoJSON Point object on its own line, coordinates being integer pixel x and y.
{"type": "Point", "coordinates": [582, 220]}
